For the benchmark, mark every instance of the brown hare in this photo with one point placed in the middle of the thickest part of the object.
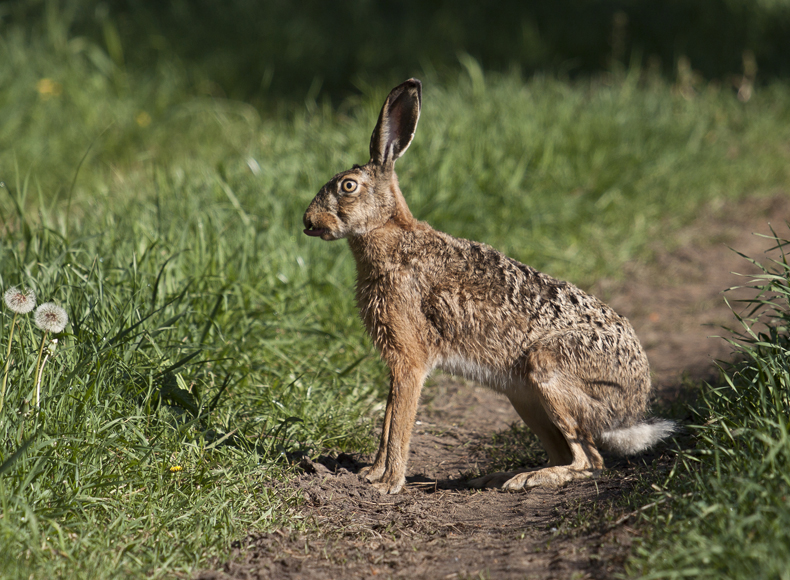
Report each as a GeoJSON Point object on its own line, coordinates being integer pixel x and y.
{"type": "Point", "coordinates": [572, 368]}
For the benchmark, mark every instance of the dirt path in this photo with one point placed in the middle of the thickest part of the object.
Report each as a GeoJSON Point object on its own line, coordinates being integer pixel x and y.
{"type": "Point", "coordinates": [436, 528]}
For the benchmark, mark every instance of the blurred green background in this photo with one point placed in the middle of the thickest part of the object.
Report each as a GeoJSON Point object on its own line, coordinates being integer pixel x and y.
{"type": "Point", "coordinates": [256, 51]}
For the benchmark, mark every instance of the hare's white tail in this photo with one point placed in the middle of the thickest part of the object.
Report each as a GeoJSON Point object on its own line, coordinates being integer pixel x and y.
{"type": "Point", "coordinates": [637, 438]}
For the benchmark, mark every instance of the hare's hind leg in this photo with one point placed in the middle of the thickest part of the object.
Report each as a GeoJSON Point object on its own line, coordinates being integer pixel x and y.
{"type": "Point", "coordinates": [544, 402]}
{"type": "Point", "coordinates": [582, 459]}
{"type": "Point", "coordinates": [572, 454]}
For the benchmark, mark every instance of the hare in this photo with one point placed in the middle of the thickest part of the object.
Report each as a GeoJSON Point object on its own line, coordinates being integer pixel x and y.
{"type": "Point", "coordinates": [572, 368]}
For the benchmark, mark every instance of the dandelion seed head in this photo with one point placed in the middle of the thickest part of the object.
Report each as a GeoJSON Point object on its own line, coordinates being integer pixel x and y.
{"type": "Point", "coordinates": [51, 318]}
{"type": "Point", "coordinates": [20, 301]}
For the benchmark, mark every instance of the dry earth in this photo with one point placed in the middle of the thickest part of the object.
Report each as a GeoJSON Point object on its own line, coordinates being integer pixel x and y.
{"type": "Point", "coordinates": [437, 528]}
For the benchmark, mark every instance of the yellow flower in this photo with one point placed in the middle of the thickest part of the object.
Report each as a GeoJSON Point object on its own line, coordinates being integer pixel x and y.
{"type": "Point", "coordinates": [48, 88]}
{"type": "Point", "coordinates": [175, 468]}
{"type": "Point", "coordinates": [143, 119]}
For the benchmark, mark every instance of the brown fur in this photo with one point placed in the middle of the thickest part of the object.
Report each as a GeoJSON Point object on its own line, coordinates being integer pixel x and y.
{"type": "Point", "coordinates": [571, 366]}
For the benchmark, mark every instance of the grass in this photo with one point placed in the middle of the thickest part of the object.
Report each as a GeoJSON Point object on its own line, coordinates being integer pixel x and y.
{"type": "Point", "coordinates": [198, 357]}
{"type": "Point", "coordinates": [207, 333]}
{"type": "Point", "coordinates": [724, 510]}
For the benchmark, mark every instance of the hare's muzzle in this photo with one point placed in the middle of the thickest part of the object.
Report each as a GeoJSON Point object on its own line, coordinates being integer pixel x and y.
{"type": "Point", "coordinates": [315, 232]}
{"type": "Point", "coordinates": [311, 230]}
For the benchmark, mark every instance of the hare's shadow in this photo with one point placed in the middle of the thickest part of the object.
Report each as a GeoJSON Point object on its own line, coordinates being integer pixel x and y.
{"type": "Point", "coordinates": [348, 464]}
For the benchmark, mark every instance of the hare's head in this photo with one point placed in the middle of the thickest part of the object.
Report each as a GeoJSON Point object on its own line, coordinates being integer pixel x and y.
{"type": "Point", "coordinates": [366, 197]}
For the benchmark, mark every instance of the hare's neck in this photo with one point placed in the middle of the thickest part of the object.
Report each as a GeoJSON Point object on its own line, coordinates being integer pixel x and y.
{"type": "Point", "coordinates": [401, 216]}
{"type": "Point", "coordinates": [377, 249]}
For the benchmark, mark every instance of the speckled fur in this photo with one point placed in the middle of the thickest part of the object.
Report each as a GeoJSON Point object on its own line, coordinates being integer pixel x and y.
{"type": "Point", "coordinates": [572, 367]}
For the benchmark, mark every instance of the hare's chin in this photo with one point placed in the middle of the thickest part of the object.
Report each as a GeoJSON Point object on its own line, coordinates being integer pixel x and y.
{"type": "Point", "coordinates": [316, 232]}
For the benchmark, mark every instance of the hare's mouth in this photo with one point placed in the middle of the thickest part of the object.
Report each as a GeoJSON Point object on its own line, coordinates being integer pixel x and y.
{"type": "Point", "coordinates": [316, 232]}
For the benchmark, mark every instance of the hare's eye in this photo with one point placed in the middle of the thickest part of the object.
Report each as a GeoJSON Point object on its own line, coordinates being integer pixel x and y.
{"type": "Point", "coordinates": [348, 185]}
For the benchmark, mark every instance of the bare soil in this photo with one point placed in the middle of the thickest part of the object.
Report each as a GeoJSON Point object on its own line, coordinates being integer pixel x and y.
{"type": "Point", "coordinates": [438, 528]}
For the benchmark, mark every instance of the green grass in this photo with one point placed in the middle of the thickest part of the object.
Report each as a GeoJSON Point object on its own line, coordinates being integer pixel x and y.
{"type": "Point", "coordinates": [207, 332]}
{"type": "Point", "coordinates": [724, 511]}
{"type": "Point", "coordinates": [188, 345]}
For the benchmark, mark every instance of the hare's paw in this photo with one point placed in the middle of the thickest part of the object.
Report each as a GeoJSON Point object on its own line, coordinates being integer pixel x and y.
{"type": "Point", "coordinates": [491, 480]}
{"type": "Point", "coordinates": [390, 485]}
{"type": "Point", "coordinates": [548, 477]}
{"type": "Point", "coordinates": [372, 473]}
{"type": "Point", "coordinates": [514, 480]}
{"type": "Point", "coordinates": [544, 477]}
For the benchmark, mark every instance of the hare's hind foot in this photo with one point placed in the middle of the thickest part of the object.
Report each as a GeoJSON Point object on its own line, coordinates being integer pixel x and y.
{"type": "Point", "coordinates": [547, 476]}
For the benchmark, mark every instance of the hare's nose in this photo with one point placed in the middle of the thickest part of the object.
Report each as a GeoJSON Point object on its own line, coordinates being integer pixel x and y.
{"type": "Point", "coordinates": [311, 230]}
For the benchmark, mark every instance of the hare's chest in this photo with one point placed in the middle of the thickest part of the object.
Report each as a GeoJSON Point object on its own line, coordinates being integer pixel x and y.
{"type": "Point", "coordinates": [386, 303]}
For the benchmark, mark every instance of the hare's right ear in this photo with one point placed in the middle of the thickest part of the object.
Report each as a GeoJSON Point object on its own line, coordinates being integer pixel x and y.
{"type": "Point", "coordinates": [397, 123]}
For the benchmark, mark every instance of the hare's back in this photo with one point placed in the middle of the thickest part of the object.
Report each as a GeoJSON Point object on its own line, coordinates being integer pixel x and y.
{"type": "Point", "coordinates": [489, 318]}
{"type": "Point", "coordinates": [460, 277]}
{"type": "Point", "coordinates": [475, 298]}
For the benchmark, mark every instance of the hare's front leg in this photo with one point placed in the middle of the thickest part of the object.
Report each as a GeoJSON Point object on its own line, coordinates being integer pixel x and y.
{"type": "Point", "coordinates": [388, 472]}
{"type": "Point", "coordinates": [374, 472]}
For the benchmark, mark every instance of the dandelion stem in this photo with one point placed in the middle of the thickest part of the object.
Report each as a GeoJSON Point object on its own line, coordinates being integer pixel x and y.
{"type": "Point", "coordinates": [38, 384]}
{"type": "Point", "coordinates": [40, 367]}
{"type": "Point", "coordinates": [7, 363]}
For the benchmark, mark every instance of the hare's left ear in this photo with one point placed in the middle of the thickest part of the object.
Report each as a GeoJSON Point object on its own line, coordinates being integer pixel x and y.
{"type": "Point", "coordinates": [397, 123]}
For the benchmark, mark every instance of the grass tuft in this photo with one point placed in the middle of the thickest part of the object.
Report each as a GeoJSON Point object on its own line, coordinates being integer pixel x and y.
{"type": "Point", "coordinates": [724, 509]}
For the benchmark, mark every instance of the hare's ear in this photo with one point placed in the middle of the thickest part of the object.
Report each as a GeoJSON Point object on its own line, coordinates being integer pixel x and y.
{"type": "Point", "coordinates": [397, 123]}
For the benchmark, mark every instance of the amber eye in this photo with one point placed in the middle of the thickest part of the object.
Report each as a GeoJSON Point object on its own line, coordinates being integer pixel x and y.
{"type": "Point", "coordinates": [348, 186]}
